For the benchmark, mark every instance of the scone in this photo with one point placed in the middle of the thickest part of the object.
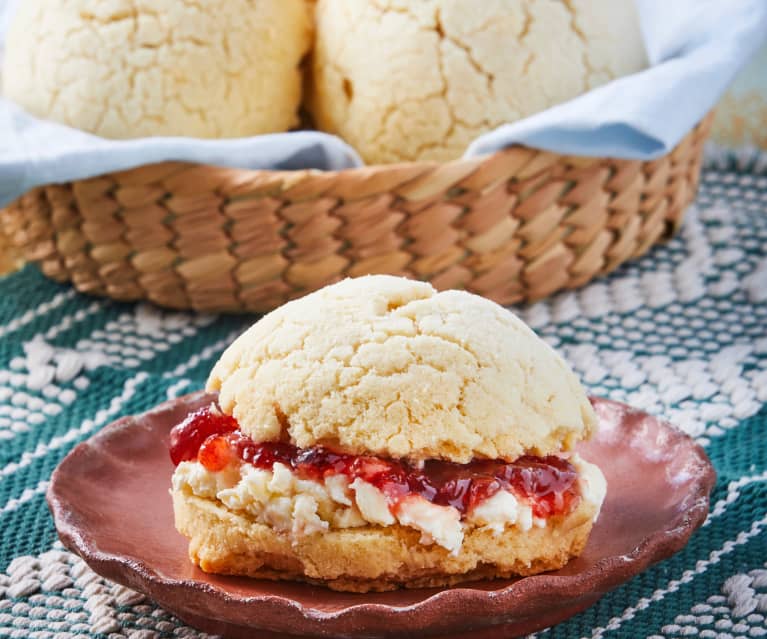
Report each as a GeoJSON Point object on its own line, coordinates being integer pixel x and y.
{"type": "Point", "coordinates": [378, 434]}
{"type": "Point", "coordinates": [134, 68]}
{"type": "Point", "coordinates": [408, 81]}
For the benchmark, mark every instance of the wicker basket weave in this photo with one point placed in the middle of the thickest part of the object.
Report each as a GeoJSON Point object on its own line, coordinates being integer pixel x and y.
{"type": "Point", "coordinates": [10, 259]}
{"type": "Point", "coordinates": [516, 225]}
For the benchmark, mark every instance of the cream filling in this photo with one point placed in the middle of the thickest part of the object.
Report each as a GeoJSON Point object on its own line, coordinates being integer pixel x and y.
{"type": "Point", "coordinates": [280, 499]}
{"type": "Point", "coordinates": [592, 484]}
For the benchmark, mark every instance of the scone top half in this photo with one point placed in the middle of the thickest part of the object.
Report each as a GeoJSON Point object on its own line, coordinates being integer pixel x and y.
{"type": "Point", "coordinates": [386, 366]}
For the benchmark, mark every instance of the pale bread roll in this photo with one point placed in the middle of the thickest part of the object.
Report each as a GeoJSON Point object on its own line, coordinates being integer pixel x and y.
{"type": "Point", "coordinates": [402, 80]}
{"type": "Point", "coordinates": [134, 68]}
{"type": "Point", "coordinates": [387, 369]}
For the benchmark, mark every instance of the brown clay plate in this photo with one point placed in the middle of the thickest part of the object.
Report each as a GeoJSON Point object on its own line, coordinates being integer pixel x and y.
{"type": "Point", "coordinates": [110, 502]}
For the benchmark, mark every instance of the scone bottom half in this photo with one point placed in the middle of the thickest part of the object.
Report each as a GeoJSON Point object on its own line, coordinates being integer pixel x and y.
{"type": "Point", "coordinates": [348, 513]}
{"type": "Point", "coordinates": [273, 510]}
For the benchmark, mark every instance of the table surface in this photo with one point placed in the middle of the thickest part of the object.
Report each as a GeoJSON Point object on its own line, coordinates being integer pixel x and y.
{"type": "Point", "coordinates": [681, 333]}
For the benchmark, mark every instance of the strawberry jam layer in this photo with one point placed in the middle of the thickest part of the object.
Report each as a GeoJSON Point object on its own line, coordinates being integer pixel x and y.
{"type": "Point", "coordinates": [547, 484]}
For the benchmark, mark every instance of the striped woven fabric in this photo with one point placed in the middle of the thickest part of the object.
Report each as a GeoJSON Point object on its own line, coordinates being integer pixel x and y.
{"type": "Point", "coordinates": [681, 333]}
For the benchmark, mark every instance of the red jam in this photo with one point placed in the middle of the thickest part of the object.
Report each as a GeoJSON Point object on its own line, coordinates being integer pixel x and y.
{"type": "Point", "coordinates": [548, 484]}
{"type": "Point", "coordinates": [187, 437]}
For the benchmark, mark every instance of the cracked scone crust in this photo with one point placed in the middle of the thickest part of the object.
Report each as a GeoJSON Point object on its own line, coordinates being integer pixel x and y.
{"type": "Point", "coordinates": [372, 558]}
{"type": "Point", "coordinates": [132, 68]}
{"type": "Point", "coordinates": [403, 80]}
{"type": "Point", "coordinates": [381, 365]}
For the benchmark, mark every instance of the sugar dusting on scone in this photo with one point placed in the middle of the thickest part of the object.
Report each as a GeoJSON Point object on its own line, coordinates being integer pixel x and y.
{"type": "Point", "coordinates": [376, 434]}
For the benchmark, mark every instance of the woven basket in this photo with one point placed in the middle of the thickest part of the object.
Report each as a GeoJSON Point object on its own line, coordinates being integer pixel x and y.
{"type": "Point", "coordinates": [514, 226]}
{"type": "Point", "coordinates": [10, 259]}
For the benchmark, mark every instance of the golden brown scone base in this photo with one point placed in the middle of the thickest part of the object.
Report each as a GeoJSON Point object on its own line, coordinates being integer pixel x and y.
{"type": "Point", "coordinates": [372, 558]}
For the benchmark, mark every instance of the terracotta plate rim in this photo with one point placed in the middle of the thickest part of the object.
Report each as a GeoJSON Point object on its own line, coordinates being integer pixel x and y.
{"type": "Point", "coordinates": [600, 577]}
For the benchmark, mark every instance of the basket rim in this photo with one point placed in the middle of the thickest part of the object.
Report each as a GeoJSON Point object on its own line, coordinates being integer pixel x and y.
{"type": "Point", "coordinates": [456, 165]}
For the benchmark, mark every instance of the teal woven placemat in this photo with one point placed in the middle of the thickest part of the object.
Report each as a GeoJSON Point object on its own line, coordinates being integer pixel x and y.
{"type": "Point", "coordinates": [681, 333]}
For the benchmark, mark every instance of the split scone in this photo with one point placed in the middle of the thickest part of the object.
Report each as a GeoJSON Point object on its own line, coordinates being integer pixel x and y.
{"type": "Point", "coordinates": [378, 434]}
